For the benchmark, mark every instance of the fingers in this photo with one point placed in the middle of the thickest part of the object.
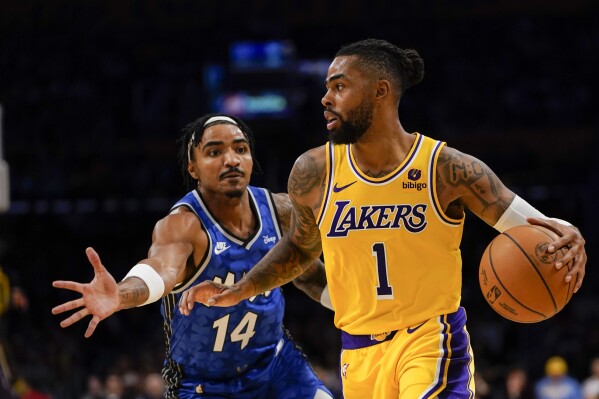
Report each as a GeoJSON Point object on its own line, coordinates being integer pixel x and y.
{"type": "Point", "coordinates": [578, 271]}
{"type": "Point", "coordinates": [75, 317]}
{"type": "Point", "coordinates": [91, 327]}
{"type": "Point", "coordinates": [94, 259]}
{"type": "Point", "coordinates": [185, 304]}
{"type": "Point", "coordinates": [579, 277]}
{"type": "Point", "coordinates": [205, 292]}
{"type": "Point", "coordinates": [77, 303]}
{"type": "Point", "coordinates": [550, 224]}
{"type": "Point", "coordinates": [68, 285]}
{"type": "Point", "coordinates": [226, 298]}
{"type": "Point", "coordinates": [572, 239]}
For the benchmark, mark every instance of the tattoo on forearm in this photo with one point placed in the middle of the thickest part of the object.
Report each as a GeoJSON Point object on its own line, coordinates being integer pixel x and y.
{"type": "Point", "coordinates": [133, 293]}
{"type": "Point", "coordinates": [289, 258]}
{"type": "Point", "coordinates": [282, 264]}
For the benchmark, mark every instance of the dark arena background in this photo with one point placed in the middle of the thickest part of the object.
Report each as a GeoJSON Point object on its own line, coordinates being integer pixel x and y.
{"type": "Point", "coordinates": [94, 95]}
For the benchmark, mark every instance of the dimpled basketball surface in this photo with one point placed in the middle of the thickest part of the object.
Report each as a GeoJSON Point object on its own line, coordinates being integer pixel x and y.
{"type": "Point", "coordinates": [518, 277]}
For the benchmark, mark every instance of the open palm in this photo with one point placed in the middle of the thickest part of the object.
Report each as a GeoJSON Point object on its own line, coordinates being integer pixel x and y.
{"type": "Point", "coordinates": [99, 298]}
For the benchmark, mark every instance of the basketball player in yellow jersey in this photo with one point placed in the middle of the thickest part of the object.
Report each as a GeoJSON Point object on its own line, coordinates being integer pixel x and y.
{"type": "Point", "coordinates": [386, 208]}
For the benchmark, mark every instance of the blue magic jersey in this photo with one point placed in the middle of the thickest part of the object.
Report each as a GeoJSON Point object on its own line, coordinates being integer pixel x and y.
{"type": "Point", "coordinates": [223, 343]}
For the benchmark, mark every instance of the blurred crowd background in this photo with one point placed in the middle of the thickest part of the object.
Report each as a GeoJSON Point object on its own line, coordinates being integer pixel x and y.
{"type": "Point", "coordinates": [94, 95]}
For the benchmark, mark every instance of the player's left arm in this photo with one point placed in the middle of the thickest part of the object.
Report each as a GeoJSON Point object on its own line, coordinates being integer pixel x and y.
{"type": "Point", "coordinates": [464, 181]}
{"type": "Point", "coordinates": [313, 281]}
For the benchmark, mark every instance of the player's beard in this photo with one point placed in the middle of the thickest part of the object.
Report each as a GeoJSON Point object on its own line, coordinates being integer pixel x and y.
{"type": "Point", "coordinates": [355, 125]}
{"type": "Point", "coordinates": [234, 194]}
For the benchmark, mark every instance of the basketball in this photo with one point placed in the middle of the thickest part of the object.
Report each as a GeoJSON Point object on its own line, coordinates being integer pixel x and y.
{"type": "Point", "coordinates": [518, 277]}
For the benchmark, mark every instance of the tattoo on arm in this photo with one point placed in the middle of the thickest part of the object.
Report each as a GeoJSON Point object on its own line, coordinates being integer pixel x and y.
{"type": "Point", "coordinates": [132, 292]}
{"type": "Point", "coordinates": [470, 175]}
{"type": "Point", "coordinates": [287, 260]}
{"type": "Point", "coordinates": [305, 230]}
{"type": "Point", "coordinates": [306, 180]}
{"type": "Point", "coordinates": [284, 210]}
{"type": "Point", "coordinates": [281, 265]}
{"type": "Point", "coordinates": [296, 251]}
{"type": "Point", "coordinates": [305, 176]}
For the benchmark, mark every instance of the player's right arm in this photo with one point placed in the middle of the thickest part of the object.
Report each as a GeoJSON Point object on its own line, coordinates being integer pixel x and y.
{"type": "Point", "coordinates": [292, 255]}
{"type": "Point", "coordinates": [313, 281]}
{"type": "Point", "coordinates": [175, 239]}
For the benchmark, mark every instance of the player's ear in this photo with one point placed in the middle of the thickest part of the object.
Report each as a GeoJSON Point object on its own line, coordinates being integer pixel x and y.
{"type": "Point", "coordinates": [382, 89]}
{"type": "Point", "coordinates": [192, 171]}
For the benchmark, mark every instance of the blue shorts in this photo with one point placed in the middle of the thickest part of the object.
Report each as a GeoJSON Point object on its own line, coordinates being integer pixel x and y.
{"type": "Point", "coordinates": [287, 376]}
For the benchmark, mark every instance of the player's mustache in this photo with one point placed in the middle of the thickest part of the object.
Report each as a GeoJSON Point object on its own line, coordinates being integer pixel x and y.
{"type": "Point", "coordinates": [229, 171]}
{"type": "Point", "coordinates": [333, 112]}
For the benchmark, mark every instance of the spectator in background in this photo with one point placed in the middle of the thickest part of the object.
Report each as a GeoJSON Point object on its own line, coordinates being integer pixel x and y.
{"type": "Point", "coordinates": [24, 390]}
{"type": "Point", "coordinates": [153, 387]}
{"type": "Point", "coordinates": [557, 384]}
{"type": "Point", "coordinates": [515, 385]}
{"type": "Point", "coordinates": [12, 297]}
{"type": "Point", "coordinates": [114, 386]}
{"type": "Point", "coordinates": [95, 388]}
{"type": "Point", "coordinates": [590, 386]}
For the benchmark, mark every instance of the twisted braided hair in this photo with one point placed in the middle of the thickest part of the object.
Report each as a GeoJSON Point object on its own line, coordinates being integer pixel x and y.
{"type": "Point", "coordinates": [383, 60]}
{"type": "Point", "coordinates": [195, 131]}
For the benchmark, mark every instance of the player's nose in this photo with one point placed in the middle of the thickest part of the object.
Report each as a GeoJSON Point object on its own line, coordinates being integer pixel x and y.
{"type": "Point", "coordinates": [232, 158]}
{"type": "Point", "coordinates": [326, 100]}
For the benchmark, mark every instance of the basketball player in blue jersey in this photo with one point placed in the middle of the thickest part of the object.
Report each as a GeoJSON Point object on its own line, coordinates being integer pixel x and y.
{"type": "Point", "coordinates": [217, 232]}
{"type": "Point", "coordinates": [386, 208]}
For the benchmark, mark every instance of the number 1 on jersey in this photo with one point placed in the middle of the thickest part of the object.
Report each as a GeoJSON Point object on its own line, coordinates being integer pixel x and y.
{"type": "Point", "coordinates": [383, 289]}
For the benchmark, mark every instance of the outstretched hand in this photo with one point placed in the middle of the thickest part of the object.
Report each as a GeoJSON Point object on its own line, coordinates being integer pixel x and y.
{"type": "Point", "coordinates": [99, 298]}
{"type": "Point", "coordinates": [570, 238]}
{"type": "Point", "coordinates": [209, 293]}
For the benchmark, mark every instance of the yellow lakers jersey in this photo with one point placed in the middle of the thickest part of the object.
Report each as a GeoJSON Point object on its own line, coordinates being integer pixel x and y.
{"type": "Point", "coordinates": [392, 256]}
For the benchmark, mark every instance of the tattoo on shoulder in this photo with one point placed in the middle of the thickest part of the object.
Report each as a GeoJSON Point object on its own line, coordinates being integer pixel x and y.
{"type": "Point", "coordinates": [305, 175]}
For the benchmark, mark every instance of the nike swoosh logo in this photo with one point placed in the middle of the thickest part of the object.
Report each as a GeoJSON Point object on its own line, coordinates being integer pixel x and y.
{"type": "Point", "coordinates": [338, 189]}
{"type": "Point", "coordinates": [218, 251]}
{"type": "Point", "coordinates": [410, 330]}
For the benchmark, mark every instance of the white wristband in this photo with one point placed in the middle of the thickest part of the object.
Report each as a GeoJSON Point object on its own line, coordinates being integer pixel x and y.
{"type": "Point", "coordinates": [516, 214]}
{"type": "Point", "coordinates": [325, 298]}
{"type": "Point", "coordinates": [152, 280]}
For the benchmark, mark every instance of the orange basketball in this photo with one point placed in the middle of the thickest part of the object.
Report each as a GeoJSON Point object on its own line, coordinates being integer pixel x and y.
{"type": "Point", "coordinates": [518, 277]}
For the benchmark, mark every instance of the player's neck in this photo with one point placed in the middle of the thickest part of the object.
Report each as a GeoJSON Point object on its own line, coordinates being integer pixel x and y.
{"type": "Point", "coordinates": [234, 214]}
{"type": "Point", "coordinates": [382, 148]}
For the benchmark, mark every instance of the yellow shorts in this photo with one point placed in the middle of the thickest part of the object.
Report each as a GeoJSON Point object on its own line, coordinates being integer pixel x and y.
{"type": "Point", "coordinates": [429, 360]}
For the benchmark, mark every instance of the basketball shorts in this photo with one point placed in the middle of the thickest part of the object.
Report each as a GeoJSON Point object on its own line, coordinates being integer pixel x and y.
{"type": "Point", "coordinates": [429, 360]}
{"type": "Point", "coordinates": [287, 376]}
